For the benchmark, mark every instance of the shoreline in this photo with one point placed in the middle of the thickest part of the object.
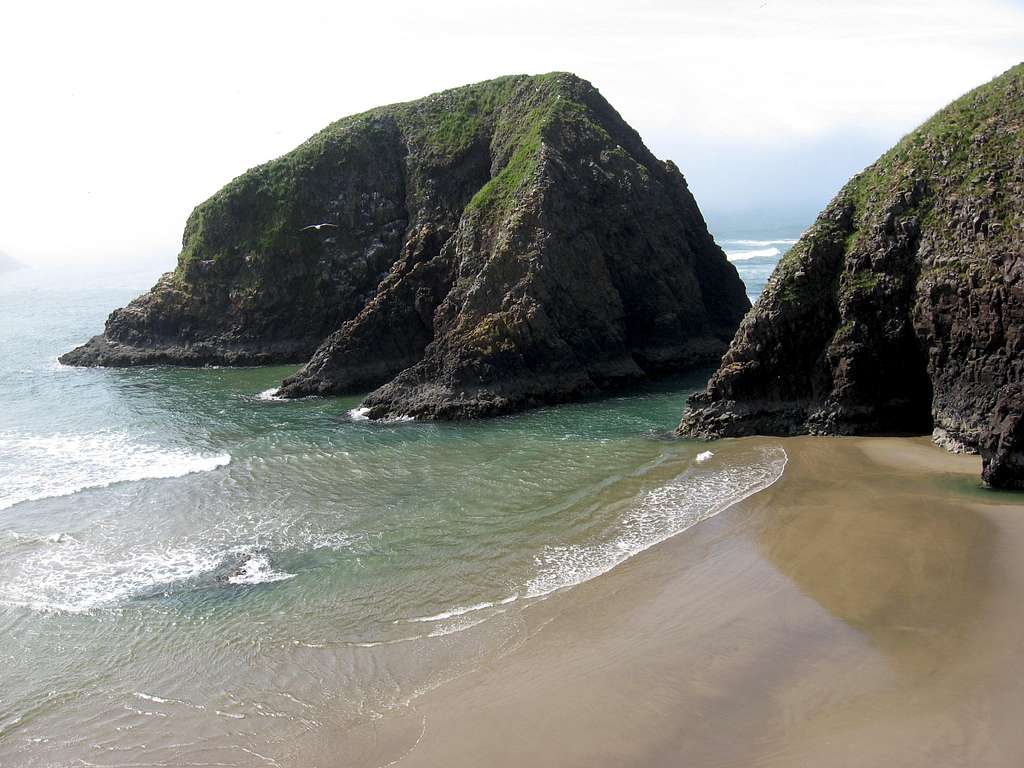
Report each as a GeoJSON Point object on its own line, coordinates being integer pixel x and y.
{"type": "Point", "coordinates": [859, 611]}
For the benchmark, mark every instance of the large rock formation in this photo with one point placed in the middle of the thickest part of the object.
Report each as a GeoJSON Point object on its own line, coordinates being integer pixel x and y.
{"type": "Point", "coordinates": [482, 250]}
{"type": "Point", "coordinates": [902, 308]}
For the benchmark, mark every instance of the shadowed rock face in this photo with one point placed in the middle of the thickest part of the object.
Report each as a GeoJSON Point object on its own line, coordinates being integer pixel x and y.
{"type": "Point", "coordinates": [902, 308]}
{"type": "Point", "coordinates": [487, 249]}
{"type": "Point", "coordinates": [1002, 440]}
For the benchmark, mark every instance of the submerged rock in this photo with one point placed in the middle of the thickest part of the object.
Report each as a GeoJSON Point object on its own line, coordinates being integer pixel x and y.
{"type": "Point", "coordinates": [902, 308]}
{"type": "Point", "coordinates": [476, 252]}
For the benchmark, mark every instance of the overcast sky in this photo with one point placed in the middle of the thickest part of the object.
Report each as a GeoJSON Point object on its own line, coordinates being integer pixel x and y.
{"type": "Point", "coordinates": [118, 118]}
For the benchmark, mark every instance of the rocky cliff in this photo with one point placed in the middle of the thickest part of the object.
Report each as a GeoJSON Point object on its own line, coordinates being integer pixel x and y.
{"type": "Point", "coordinates": [902, 308]}
{"type": "Point", "coordinates": [475, 252]}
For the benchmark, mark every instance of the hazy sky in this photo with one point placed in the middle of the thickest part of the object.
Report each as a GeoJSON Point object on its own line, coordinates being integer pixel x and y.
{"type": "Point", "coordinates": [118, 118]}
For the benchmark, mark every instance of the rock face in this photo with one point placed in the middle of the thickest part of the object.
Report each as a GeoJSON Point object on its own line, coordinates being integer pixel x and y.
{"type": "Point", "coordinates": [484, 250]}
{"type": "Point", "coordinates": [1001, 442]}
{"type": "Point", "coordinates": [902, 308]}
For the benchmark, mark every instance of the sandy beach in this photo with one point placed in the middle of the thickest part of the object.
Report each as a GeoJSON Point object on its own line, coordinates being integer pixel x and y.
{"type": "Point", "coordinates": [863, 611]}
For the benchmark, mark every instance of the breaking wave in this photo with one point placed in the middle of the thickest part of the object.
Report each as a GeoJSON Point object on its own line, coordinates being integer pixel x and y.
{"type": "Point", "coordinates": [762, 243]}
{"type": "Point", "coordinates": [757, 253]}
{"type": "Point", "coordinates": [44, 466]}
{"type": "Point", "coordinates": [76, 578]}
{"type": "Point", "coordinates": [70, 576]}
{"type": "Point", "coordinates": [257, 569]}
{"type": "Point", "coordinates": [359, 414]}
{"type": "Point", "coordinates": [362, 414]}
{"type": "Point", "coordinates": [697, 494]}
{"type": "Point", "coordinates": [271, 395]}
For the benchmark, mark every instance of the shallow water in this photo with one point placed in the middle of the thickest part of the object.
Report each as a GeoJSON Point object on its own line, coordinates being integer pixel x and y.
{"type": "Point", "coordinates": [191, 571]}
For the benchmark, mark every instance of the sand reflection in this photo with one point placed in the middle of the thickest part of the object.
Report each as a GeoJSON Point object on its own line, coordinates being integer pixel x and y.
{"type": "Point", "coordinates": [882, 548]}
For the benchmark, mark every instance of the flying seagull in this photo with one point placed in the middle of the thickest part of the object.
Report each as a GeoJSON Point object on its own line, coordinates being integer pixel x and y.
{"type": "Point", "coordinates": [318, 227]}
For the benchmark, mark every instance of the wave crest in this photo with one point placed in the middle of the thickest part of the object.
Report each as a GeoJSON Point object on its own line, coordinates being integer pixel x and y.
{"type": "Point", "coordinates": [757, 253]}
{"type": "Point", "coordinates": [257, 569]}
{"type": "Point", "coordinates": [46, 466]}
{"type": "Point", "coordinates": [694, 496]}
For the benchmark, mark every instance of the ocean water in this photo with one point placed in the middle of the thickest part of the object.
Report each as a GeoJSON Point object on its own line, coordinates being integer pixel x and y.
{"type": "Point", "coordinates": [192, 572]}
{"type": "Point", "coordinates": [756, 251]}
{"type": "Point", "coordinates": [755, 259]}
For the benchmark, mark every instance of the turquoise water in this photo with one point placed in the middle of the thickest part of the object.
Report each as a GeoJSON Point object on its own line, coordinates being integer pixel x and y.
{"type": "Point", "coordinates": [192, 572]}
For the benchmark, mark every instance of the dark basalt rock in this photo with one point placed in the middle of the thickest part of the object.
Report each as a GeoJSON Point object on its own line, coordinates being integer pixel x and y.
{"type": "Point", "coordinates": [488, 248]}
{"type": "Point", "coordinates": [901, 309]}
{"type": "Point", "coordinates": [1002, 443]}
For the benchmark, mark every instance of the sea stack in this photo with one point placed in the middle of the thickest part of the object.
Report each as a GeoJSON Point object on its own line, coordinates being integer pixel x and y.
{"type": "Point", "coordinates": [476, 252]}
{"type": "Point", "coordinates": [902, 308]}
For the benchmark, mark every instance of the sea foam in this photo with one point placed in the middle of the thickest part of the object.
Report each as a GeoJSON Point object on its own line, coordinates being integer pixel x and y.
{"type": "Point", "coordinates": [694, 496]}
{"type": "Point", "coordinates": [757, 253]}
{"type": "Point", "coordinates": [74, 577]}
{"type": "Point", "coordinates": [362, 414]}
{"type": "Point", "coordinates": [453, 612]}
{"type": "Point", "coordinates": [258, 570]}
{"type": "Point", "coordinates": [359, 414]}
{"type": "Point", "coordinates": [44, 466]}
{"type": "Point", "coordinates": [762, 243]}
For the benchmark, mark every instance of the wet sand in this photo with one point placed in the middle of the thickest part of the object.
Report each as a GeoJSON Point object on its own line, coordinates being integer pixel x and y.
{"type": "Point", "coordinates": [866, 610]}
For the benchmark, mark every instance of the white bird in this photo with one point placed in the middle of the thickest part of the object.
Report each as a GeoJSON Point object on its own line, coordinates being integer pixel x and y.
{"type": "Point", "coordinates": [318, 227]}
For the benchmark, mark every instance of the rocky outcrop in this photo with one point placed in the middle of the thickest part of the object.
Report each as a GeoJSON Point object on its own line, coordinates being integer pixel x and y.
{"type": "Point", "coordinates": [1002, 442]}
{"type": "Point", "coordinates": [481, 251]}
{"type": "Point", "coordinates": [902, 308]}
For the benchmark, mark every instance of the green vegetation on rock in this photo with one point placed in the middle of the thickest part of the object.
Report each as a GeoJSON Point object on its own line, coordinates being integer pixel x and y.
{"type": "Point", "coordinates": [480, 250]}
